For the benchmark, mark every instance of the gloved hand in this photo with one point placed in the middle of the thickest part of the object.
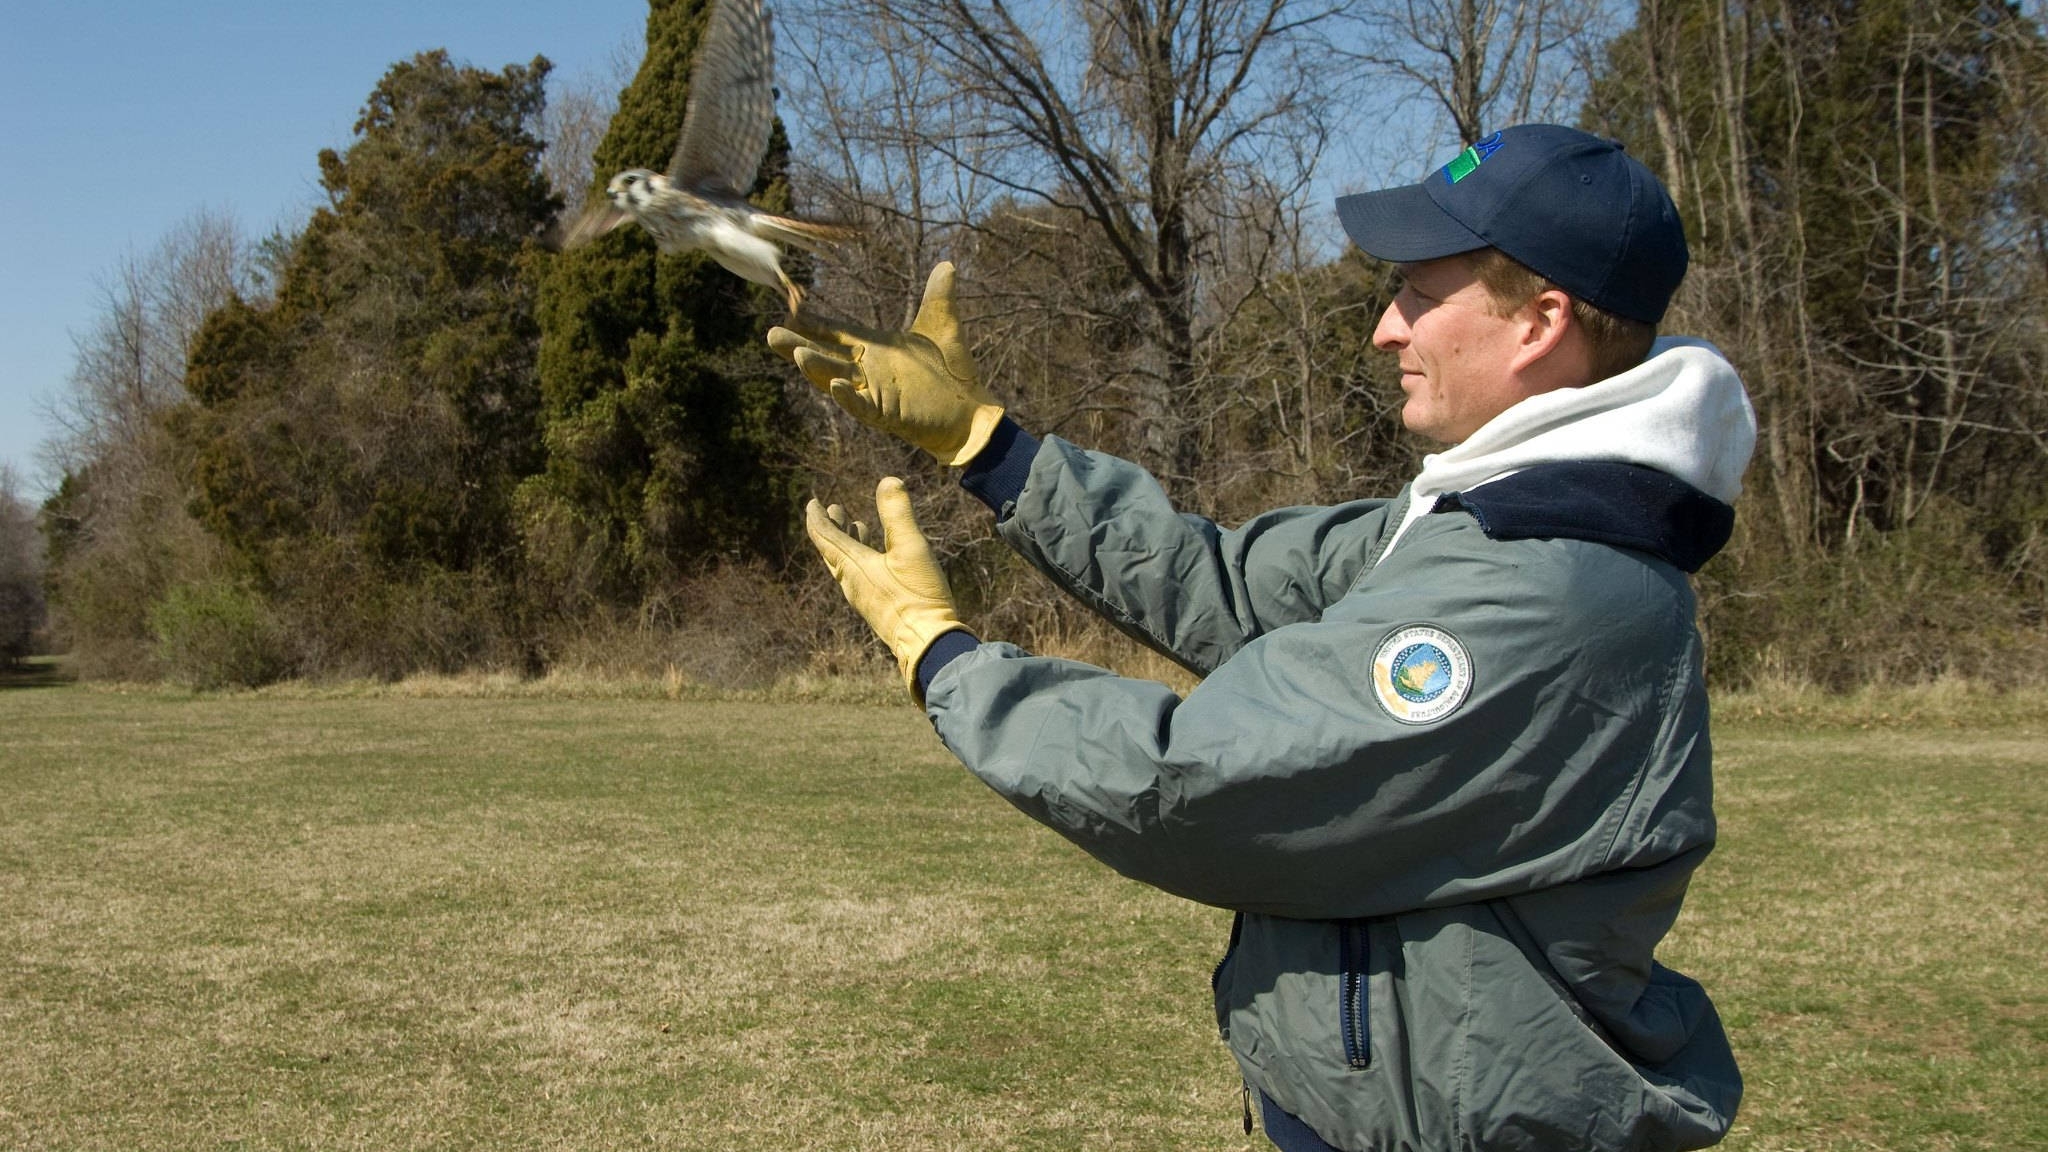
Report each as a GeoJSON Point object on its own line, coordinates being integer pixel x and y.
{"type": "Point", "coordinates": [900, 590]}
{"type": "Point", "coordinates": [919, 385]}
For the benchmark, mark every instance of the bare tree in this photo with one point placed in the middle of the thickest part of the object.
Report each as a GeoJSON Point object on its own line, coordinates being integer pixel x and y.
{"type": "Point", "coordinates": [1134, 149]}
{"type": "Point", "coordinates": [579, 109]}
{"type": "Point", "coordinates": [121, 515]}
{"type": "Point", "coordinates": [1952, 362]}
{"type": "Point", "coordinates": [130, 366]}
{"type": "Point", "coordinates": [1485, 63]}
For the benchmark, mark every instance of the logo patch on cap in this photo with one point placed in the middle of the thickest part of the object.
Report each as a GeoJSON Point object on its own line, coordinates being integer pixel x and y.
{"type": "Point", "coordinates": [1469, 160]}
{"type": "Point", "coordinates": [1420, 674]}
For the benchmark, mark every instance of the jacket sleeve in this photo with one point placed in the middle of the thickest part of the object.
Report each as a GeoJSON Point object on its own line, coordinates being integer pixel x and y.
{"type": "Point", "coordinates": [1281, 784]}
{"type": "Point", "coordinates": [1104, 529]}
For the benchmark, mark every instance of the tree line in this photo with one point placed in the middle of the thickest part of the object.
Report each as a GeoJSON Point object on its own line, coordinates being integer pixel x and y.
{"type": "Point", "coordinates": [405, 436]}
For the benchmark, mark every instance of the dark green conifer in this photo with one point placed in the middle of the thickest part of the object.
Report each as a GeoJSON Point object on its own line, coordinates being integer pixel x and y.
{"type": "Point", "coordinates": [358, 440]}
{"type": "Point", "coordinates": [666, 430]}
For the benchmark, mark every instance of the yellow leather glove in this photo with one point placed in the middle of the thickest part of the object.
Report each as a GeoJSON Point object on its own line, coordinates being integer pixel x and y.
{"type": "Point", "coordinates": [918, 385]}
{"type": "Point", "coordinates": [900, 590]}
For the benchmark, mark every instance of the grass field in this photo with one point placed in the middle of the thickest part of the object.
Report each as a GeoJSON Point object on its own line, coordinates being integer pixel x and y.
{"type": "Point", "coordinates": [392, 921]}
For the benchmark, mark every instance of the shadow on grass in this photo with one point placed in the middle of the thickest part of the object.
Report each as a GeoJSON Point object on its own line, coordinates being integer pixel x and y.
{"type": "Point", "coordinates": [34, 672]}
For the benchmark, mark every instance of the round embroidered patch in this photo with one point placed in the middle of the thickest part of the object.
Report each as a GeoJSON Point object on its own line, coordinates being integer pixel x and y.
{"type": "Point", "coordinates": [1421, 674]}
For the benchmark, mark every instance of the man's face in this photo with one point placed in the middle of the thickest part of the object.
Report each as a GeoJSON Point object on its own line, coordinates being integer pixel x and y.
{"type": "Point", "coordinates": [1455, 353]}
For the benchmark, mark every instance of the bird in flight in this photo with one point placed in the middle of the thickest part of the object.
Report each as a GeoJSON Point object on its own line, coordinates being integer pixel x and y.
{"type": "Point", "coordinates": [700, 204]}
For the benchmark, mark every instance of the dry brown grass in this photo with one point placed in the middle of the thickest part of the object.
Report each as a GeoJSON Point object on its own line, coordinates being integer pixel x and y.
{"type": "Point", "coordinates": [465, 913]}
{"type": "Point", "coordinates": [397, 921]}
{"type": "Point", "coordinates": [1869, 923]}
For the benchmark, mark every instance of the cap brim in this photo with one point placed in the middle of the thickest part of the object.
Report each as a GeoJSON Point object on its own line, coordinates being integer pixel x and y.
{"type": "Point", "coordinates": [1403, 225]}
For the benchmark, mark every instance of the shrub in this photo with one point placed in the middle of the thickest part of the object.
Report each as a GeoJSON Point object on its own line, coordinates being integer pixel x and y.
{"type": "Point", "coordinates": [1912, 606]}
{"type": "Point", "coordinates": [219, 635]}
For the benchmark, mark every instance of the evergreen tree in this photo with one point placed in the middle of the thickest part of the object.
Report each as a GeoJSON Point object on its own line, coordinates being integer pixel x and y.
{"type": "Point", "coordinates": [665, 426]}
{"type": "Point", "coordinates": [358, 441]}
{"type": "Point", "coordinates": [21, 573]}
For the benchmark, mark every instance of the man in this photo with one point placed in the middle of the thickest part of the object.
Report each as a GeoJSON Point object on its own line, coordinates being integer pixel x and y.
{"type": "Point", "coordinates": [1449, 760]}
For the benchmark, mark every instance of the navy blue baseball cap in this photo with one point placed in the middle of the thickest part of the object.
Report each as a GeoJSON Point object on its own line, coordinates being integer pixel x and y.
{"type": "Point", "coordinates": [1572, 207]}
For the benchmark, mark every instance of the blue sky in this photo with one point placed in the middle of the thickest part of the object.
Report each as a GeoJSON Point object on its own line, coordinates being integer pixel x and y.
{"type": "Point", "coordinates": [117, 121]}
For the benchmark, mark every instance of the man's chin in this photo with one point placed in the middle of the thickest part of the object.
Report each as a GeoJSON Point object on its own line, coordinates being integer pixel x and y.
{"type": "Point", "coordinates": [1426, 429]}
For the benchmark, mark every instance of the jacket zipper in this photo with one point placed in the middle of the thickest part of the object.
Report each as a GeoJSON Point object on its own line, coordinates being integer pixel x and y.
{"type": "Point", "coordinates": [1216, 976]}
{"type": "Point", "coordinates": [1223, 1016]}
{"type": "Point", "coordinates": [1354, 1013]}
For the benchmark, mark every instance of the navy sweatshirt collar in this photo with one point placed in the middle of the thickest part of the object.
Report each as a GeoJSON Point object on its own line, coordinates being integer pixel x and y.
{"type": "Point", "coordinates": [1626, 505]}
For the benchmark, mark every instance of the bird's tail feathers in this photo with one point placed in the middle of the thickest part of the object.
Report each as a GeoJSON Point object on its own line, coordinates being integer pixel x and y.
{"type": "Point", "coordinates": [806, 234]}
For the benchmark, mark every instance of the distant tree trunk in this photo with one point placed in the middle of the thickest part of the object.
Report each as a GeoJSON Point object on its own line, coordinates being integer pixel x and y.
{"type": "Point", "coordinates": [1659, 34]}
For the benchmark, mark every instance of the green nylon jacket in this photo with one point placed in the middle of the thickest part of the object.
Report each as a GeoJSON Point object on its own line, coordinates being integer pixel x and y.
{"type": "Point", "coordinates": [1446, 924]}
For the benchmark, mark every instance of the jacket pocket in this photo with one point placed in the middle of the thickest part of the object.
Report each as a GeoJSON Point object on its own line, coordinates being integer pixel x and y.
{"type": "Point", "coordinates": [1354, 1010]}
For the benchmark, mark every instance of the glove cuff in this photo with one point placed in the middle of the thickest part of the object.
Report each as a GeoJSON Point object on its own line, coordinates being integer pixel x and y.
{"type": "Point", "coordinates": [979, 428]}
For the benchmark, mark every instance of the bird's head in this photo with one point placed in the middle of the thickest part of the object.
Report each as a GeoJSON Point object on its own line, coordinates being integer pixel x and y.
{"type": "Point", "coordinates": [633, 188]}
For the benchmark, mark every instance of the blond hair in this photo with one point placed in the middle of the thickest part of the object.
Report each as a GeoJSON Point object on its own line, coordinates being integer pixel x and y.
{"type": "Point", "coordinates": [1616, 342]}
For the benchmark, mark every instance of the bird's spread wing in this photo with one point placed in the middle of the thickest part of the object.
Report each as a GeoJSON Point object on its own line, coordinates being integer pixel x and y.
{"type": "Point", "coordinates": [595, 221]}
{"type": "Point", "coordinates": [732, 102]}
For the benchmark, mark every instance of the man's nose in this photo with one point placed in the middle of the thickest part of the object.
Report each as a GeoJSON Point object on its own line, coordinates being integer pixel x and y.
{"type": "Point", "coordinates": [1392, 333]}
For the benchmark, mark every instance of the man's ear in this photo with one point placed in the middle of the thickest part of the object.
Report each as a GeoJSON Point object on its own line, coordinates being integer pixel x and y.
{"type": "Point", "coordinates": [1550, 334]}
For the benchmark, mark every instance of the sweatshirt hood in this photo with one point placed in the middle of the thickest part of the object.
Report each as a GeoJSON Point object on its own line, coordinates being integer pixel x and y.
{"type": "Point", "coordinates": [1683, 412]}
